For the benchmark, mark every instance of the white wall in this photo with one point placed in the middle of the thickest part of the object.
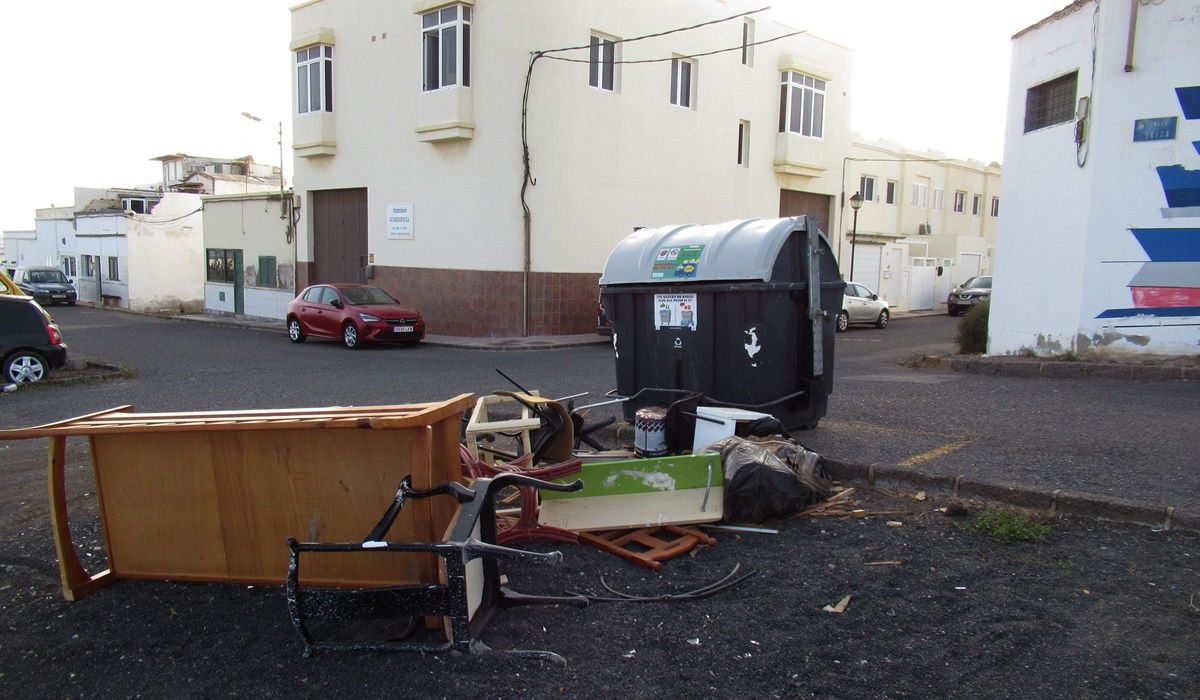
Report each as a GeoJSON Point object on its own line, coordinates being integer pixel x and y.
{"type": "Point", "coordinates": [1065, 254]}
{"type": "Point", "coordinates": [166, 256]}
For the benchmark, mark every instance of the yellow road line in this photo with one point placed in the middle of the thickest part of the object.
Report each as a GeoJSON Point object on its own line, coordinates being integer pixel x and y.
{"type": "Point", "coordinates": [934, 454]}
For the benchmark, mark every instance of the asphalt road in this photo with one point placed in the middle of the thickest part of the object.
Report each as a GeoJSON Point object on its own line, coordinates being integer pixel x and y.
{"type": "Point", "coordinates": [1134, 440]}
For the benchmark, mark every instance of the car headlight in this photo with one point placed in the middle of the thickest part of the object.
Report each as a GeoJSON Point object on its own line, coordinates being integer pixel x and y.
{"type": "Point", "coordinates": [368, 318]}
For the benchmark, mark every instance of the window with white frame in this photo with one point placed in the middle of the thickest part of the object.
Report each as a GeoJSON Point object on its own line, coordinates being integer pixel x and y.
{"type": "Point", "coordinates": [801, 104]}
{"type": "Point", "coordinates": [866, 187]}
{"type": "Point", "coordinates": [747, 42]}
{"type": "Point", "coordinates": [976, 204]}
{"type": "Point", "coordinates": [114, 269]}
{"type": "Point", "coordinates": [68, 265]}
{"type": "Point", "coordinates": [743, 152]}
{"type": "Point", "coordinates": [314, 79]}
{"type": "Point", "coordinates": [995, 207]}
{"type": "Point", "coordinates": [136, 205]}
{"type": "Point", "coordinates": [683, 81]}
{"type": "Point", "coordinates": [939, 198]}
{"type": "Point", "coordinates": [602, 63]}
{"type": "Point", "coordinates": [890, 192]}
{"type": "Point", "coordinates": [920, 195]}
{"type": "Point", "coordinates": [960, 202]}
{"type": "Point", "coordinates": [88, 263]}
{"type": "Point", "coordinates": [446, 48]}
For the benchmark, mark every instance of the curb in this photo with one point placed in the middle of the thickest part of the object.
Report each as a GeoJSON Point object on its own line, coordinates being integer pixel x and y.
{"type": "Point", "coordinates": [1054, 369]}
{"type": "Point", "coordinates": [1057, 502]}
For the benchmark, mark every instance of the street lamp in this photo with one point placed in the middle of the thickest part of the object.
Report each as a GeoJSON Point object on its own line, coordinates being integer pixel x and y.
{"type": "Point", "coordinates": [855, 204]}
{"type": "Point", "coordinates": [251, 117]}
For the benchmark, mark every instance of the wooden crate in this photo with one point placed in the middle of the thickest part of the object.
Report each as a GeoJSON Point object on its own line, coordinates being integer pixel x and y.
{"type": "Point", "coordinates": [211, 496]}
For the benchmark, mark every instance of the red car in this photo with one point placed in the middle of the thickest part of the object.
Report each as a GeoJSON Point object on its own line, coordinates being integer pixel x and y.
{"type": "Point", "coordinates": [354, 313]}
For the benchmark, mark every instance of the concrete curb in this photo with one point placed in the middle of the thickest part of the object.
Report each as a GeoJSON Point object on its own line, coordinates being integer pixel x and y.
{"type": "Point", "coordinates": [1057, 502]}
{"type": "Point", "coordinates": [1055, 369]}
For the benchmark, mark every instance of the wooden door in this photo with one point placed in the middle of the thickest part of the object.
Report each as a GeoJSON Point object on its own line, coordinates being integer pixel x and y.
{"type": "Point", "coordinates": [340, 235]}
{"type": "Point", "coordinates": [793, 203]}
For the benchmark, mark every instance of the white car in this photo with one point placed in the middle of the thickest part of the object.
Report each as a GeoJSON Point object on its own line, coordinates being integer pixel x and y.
{"type": "Point", "coordinates": [861, 305]}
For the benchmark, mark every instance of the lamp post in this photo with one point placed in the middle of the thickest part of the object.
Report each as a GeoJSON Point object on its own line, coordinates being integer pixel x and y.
{"type": "Point", "coordinates": [251, 117]}
{"type": "Point", "coordinates": [855, 204]}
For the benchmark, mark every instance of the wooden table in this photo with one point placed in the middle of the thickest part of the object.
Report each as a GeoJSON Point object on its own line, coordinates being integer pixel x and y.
{"type": "Point", "coordinates": [212, 496]}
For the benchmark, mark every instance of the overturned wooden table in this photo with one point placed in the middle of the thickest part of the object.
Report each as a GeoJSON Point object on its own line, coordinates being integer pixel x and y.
{"type": "Point", "coordinates": [212, 496]}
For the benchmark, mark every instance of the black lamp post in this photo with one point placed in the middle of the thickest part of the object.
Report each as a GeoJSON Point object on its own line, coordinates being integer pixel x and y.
{"type": "Point", "coordinates": [855, 204]}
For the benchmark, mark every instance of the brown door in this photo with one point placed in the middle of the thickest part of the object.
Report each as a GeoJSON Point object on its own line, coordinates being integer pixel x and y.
{"type": "Point", "coordinates": [793, 203]}
{"type": "Point", "coordinates": [340, 235]}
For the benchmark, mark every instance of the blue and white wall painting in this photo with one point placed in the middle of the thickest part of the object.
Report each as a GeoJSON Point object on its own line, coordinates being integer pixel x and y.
{"type": "Point", "coordinates": [1166, 290]}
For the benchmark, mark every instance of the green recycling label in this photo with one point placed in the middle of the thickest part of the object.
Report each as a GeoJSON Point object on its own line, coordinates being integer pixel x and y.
{"type": "Point", "coordinates": [677, 262]}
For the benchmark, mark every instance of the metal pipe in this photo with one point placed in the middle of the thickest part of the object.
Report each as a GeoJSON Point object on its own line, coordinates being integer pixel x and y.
{"type": "Point", "coordinates": [1133, 13]}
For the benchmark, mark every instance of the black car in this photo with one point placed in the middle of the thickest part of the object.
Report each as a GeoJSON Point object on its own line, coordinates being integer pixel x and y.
{"type": "Point", "coordinates": [968, 294]}
{"type": "Point", "coordinates": [30, 344]}
{"type": "Point", "coordinates": [46, 284]}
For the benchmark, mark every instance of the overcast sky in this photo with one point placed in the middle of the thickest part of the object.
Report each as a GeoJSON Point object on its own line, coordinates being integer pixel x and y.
{"type": "Point", "coordinates": [96, 89]}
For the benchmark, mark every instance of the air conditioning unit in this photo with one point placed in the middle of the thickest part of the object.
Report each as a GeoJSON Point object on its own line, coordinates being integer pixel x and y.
{"type": "Point", "coordinates": [924, 229]}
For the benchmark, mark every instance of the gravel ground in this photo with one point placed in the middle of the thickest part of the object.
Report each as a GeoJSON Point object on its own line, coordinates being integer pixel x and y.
{"type": "Point", "coordinates": [1098, 611]}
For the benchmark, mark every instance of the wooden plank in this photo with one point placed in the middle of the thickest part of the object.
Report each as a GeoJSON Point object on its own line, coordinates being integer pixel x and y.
{"type": "Point", "coordinates": [377, 417]}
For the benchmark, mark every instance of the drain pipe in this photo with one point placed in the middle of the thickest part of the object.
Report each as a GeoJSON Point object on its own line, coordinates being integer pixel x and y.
{"type": "Point", "coordinates": [1133, 13]}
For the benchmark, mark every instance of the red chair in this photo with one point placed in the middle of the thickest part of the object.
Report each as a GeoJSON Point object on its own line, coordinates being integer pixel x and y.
{"type": "Point", "coordinates": [525, 526]}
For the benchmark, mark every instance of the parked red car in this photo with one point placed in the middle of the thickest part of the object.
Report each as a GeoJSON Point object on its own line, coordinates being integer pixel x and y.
{"type": "Point", "coordinates": [353, 313]}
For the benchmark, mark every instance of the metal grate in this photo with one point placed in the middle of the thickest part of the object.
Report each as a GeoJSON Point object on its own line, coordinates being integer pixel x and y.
{"type": "Point", "coordinates": [1051, 102]}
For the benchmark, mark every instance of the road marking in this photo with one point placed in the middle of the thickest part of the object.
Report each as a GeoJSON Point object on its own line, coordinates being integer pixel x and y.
{"type": "Point", "coordinates": [934, 454]}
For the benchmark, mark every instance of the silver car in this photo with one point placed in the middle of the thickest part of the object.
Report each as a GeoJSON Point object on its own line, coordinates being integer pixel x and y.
{"type": "Point", "coordinates": [861, 305]}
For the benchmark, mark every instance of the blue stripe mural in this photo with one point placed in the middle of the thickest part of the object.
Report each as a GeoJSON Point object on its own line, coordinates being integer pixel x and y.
{"type": "Point", "coordinates": [1169, 244]}
{"type": "Point", "coordinates": [1163, 287]}
{"type": "Point", "coordinates": [1189, 101]}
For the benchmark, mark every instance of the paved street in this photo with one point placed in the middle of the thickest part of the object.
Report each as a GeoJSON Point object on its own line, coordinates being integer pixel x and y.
{"type": "Point", "coordinates": [1127, 439]}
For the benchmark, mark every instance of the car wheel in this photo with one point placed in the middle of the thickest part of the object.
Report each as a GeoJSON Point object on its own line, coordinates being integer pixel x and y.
{"type": "Point", "coordinates": [882, 321]}
{"type": "Point", "coordinates": [70, 303]}
{"type": "Point", "coordinates": [295, 332]}
{"type": "Point", "coordinates": [25, 367]}
{"type": "Point", "coordinates": [350, 335]}
{"type": "Point", "coordinates": [843, 321]}
{"type": "Point", "coordinates": [952, 310]}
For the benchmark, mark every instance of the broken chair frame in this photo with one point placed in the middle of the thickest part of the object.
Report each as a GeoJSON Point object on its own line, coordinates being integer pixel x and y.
{"type": "Point", "coordinates": [471, 589]}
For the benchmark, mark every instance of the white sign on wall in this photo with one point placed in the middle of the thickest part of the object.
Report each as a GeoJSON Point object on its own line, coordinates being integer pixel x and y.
{"type": "Point", "coordinates": [400, 221]}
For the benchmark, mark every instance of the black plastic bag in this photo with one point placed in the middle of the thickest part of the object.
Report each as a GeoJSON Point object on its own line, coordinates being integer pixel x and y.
{"type": "Point", "coordinates": [769, 478]}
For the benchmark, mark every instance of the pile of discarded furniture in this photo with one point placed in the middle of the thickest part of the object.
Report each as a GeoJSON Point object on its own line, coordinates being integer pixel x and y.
{"type": "Point", "coordinates": [403, 513]}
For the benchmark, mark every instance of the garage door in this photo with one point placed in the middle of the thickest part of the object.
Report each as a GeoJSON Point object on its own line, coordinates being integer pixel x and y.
{"type": "Point", "coordinates": [968, 267]}
{"type": "Point", "coordinates": [339, 219]}
{"type": "Point", "coordinates": [868, 261]}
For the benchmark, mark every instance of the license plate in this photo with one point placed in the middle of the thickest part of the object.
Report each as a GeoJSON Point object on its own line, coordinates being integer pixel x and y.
{"type": "Point", "coordinates": [402, 329]}
{"type": "Point", "coordinates": [60, 296]}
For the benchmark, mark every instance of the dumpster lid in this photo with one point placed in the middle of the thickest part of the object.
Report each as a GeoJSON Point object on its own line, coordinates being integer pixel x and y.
{"type": "Point", "coordinates": [735, 250]}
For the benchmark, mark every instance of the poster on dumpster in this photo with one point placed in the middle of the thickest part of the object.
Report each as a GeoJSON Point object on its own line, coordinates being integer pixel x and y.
{"type": "Point", "coordinates": [678, 262]}
{"type": "Point", "coordinates": [675, 311]}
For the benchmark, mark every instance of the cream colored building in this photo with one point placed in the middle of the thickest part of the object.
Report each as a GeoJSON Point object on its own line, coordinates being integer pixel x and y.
{"type": "Point", "coordinates": [408, 141]}
{"type": "Point", "coordinates": [249, 250]}
{"type": "Point", "coordinates": [927, 222]}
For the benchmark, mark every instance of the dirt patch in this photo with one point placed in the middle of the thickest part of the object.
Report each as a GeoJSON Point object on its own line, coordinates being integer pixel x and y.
{"type": "Point", "coordinates": [1099, 610]}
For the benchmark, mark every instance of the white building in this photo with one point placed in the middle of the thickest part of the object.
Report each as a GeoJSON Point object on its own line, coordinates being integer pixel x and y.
{"type": "Point", "coordinates": [250, 252]}
{"type": "Point", "coordinates": [1099, 247]}
{"type": "Point", "coordinates": [21, 248]}
{"type": "Point", "coordinates": [148, 262]}
{"type": "Point", "coordinates": [409, 143]}
{"type": "Point", "coordinates": [927, 222]}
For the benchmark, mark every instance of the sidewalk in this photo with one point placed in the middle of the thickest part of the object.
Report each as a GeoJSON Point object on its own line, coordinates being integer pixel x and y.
{"type": "Point", "coordinates": [540, 342]}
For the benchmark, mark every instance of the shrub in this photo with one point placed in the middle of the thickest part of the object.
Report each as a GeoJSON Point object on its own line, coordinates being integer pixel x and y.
{"type": "Point", "coordinates": [1008, 525]}
{"type": "Point", "coordinates": [973, 328]}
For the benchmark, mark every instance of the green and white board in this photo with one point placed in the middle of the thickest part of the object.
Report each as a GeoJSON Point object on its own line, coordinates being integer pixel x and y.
{"type": "Point", "coordinates": [674, 490]}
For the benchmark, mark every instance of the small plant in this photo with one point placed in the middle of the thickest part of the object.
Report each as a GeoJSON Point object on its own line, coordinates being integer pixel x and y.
{"type": "Point", "coordinates": [1008, 525]}
{"type": "Point", "coordinates": [973, 329]}
{"type": "Point", "coordinates": [1026, 352]}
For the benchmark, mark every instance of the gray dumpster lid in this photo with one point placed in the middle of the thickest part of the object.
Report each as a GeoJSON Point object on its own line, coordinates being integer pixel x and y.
{"type": "Point", "coordinates": [735, 250]}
